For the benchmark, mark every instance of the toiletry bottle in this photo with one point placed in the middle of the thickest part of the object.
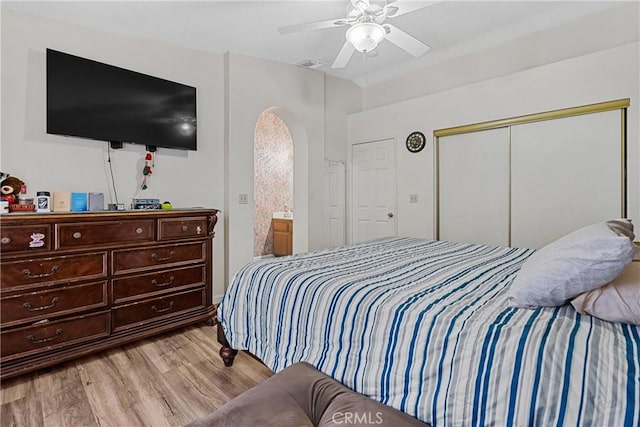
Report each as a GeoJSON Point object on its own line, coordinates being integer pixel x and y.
{"type": "Point", "coordinates": [43, 201]}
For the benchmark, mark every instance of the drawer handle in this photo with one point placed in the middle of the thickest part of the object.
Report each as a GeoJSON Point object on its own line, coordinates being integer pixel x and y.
{"type": "Point", "coordinates": [159, 259]}
{"type": "Point", "coordinates": [77, 235]}
{"type": "Point", "coordinates": [33, 339]}
{"type": "Point", "coordinates": [162, 285]}
{"type": "Point", "coordinates": [162, 310]}
{"type": "Point", "coordinates": [6, 240]}
{"type": "Point", "coordinates": [28, 273]}
{"type": "Point", "coordinates": [54, 300]}
{"type": "Point", "coordinates": [139, 230]}
{"type": "Point", "coordinates": [185, 228]}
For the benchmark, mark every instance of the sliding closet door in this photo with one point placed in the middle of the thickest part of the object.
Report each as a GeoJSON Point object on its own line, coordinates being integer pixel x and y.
{"type": "Point", "coordinates": [473, 187]}
{"type": "Point", "coordinates": [566, 173]}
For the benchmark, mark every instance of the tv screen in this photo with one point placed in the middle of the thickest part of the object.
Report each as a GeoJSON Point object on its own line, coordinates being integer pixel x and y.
{"type": "Point", "coordinates": [89, 99]}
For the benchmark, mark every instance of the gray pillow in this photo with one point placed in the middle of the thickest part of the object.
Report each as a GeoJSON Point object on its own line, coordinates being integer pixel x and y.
{"type": "Point", "coordinates": [578, 262]}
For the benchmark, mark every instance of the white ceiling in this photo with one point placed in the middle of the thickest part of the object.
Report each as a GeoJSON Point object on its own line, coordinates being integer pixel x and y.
{"type": "Point", "coordinates": [451, 28]}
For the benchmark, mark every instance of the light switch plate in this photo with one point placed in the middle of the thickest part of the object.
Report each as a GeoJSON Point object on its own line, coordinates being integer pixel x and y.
{"type": "Point", "coordinates": [413, 198]}
{"type": "Point", "coordinates": [243, 199]}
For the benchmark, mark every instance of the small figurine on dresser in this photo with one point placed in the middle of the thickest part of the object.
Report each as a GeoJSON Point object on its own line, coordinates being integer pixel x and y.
{"type": "Point", "coordinates": [14, 191]}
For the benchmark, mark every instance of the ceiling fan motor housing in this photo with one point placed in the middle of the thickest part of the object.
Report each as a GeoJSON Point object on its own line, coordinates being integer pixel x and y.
{"type": "Point", "coordinates": [366, 30]}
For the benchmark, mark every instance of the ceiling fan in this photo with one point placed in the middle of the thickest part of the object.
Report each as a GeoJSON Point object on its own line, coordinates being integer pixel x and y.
{"type": "Point", "coordinates": [367, 28]}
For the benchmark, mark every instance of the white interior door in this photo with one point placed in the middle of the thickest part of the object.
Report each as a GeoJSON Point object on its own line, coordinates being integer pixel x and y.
{"type": "Point", "coordinates": [473, 183]}
{"type": "Point", "coordinates": [335, 234]}
{"type": "Point", "coordinates": [373, 167]}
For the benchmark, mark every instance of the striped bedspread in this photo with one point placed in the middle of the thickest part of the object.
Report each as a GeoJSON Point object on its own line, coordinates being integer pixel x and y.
{"type": "Point", "coordinates": [425, 327]}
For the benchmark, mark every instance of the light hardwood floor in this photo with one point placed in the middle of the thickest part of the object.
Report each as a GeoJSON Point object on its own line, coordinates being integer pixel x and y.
{"type": "Point", "coordinates": [169, 380]}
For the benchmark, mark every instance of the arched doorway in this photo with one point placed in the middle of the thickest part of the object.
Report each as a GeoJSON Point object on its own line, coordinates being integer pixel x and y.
{"type": "Point", "coordinates": [273, 177]}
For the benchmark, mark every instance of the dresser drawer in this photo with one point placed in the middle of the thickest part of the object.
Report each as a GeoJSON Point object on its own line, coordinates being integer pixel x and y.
{"type": "Point", "coordinates": [42, 304]}
{"type": "Point", "coordinates": [25, 238]}
{"type": "Point", "coordinates": [146, 311]}
{"type": "Point", "coordinates": [182, 228]}
{"type": "Point", "coordinates": [152, 283]}
{"type": "Point", "coordinates": [51, 335]}
{"type": "Point", "coordinates": [23, 274]}
{"type": "Point", "coordinates": [76, 235]}
{"type": "Point", "coordinates": [160, 256]}
{"type": "Point", "coordinates": [283, 225]}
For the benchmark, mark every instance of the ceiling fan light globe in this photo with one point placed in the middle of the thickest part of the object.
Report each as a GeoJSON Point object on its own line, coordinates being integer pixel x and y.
{"type": "Point", "coordinates": [365, 36]}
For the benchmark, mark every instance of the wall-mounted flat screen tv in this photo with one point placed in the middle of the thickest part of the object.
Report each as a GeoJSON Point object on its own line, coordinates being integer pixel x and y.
{"type": "Point", "coordinates": [89, 99]}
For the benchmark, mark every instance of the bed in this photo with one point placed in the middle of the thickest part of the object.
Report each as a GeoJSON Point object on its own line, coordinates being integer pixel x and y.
{"type": "Point", "coordinates": [427, 327]}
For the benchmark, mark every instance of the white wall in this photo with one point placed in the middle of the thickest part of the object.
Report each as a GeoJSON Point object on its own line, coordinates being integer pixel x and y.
{"type": "Point", "coordinates": [232, 91]}
{"type": "Point", "coordinates": [308, 103]}
{"type": "Point", "coordinates": [500, 53]}
{"type": "Point", "coordinates": [56, 163]}
{"type": "Point", "coordinates": [342, 98]}
{"type": "Point", "coordinates": [297, 95]}
{"type": "Point", "coordinates": [602, 76]}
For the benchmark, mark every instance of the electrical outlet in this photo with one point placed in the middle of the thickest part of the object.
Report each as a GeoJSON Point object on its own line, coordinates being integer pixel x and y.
{"type": "Point", "coordinates": [243, 199]}
{"type": "Point", "coordinates": [413, 198]}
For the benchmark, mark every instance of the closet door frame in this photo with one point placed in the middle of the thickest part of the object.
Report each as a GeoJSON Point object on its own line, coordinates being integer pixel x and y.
{"type": "Point", "coordinates": [620, 104]}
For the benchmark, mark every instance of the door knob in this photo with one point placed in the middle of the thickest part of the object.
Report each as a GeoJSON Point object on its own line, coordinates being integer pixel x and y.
{"type": "Point", "coordinates": [390, 214]}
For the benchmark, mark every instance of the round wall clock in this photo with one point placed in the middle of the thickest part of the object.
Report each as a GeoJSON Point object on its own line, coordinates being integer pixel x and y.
{"type": "Point", "coordinates": [415, 142]}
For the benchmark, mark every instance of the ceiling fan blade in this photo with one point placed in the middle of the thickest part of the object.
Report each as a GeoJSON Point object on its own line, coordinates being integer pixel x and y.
{"type": "Point", "coordinates": [404, 41]}
{"type": "Point", "coordinates": [310, 26]}
{"type": "Point", "coordinates": [360, 5]}
{"type": "Point", "coordinates": [344, 56]}
{"type": "Point", "coordinates": [399, 7]}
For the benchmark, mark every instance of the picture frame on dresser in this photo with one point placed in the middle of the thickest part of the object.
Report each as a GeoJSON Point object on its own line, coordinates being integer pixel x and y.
{"type": "Point", "coordinates": [72, 284]}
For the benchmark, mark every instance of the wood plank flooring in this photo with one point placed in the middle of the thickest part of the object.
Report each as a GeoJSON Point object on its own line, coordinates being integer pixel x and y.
{"type": "Point", "coordinates": [169, 380]}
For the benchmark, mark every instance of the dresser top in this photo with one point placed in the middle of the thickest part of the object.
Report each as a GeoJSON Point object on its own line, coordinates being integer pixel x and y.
{"type": "Point", "coordinates": [98, 215]}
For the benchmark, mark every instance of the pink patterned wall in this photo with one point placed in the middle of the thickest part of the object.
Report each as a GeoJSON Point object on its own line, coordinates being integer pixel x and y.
{"type": "Point", "coordinates": [273, 177]}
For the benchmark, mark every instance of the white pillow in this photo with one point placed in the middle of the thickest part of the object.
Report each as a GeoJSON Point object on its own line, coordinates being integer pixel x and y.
{"type": "Point", "coordinates": [578, 262]}
{"type": "Point", "coordinates": [617, 301]}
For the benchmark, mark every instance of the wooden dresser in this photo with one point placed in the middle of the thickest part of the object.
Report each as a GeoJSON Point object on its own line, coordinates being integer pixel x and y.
{"type": "Point", "coordinates": [77, 283]}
